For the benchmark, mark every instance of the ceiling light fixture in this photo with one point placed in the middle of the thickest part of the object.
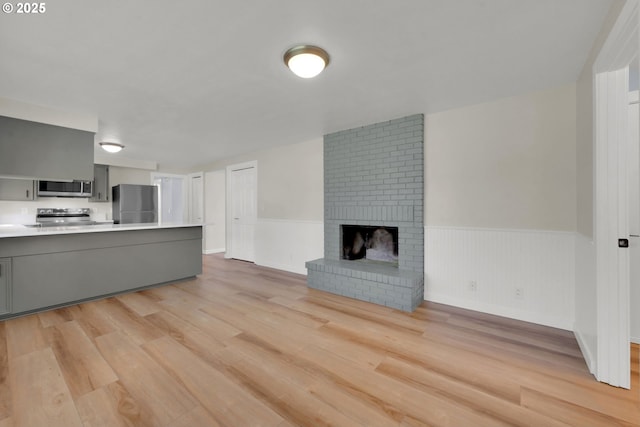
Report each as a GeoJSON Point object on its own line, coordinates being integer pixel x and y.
{"type": "Point", "coordinates": [111, 147]}
{"type": "Point", "coordinates": [306, 61]}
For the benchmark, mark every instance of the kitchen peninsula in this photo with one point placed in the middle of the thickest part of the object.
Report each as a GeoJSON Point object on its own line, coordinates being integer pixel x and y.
{"type": "Point", "coordinates": [42, 268]}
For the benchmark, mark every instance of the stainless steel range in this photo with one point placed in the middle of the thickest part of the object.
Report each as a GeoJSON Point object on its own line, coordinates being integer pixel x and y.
{"type": "Point", "coordinates": [61, 217]}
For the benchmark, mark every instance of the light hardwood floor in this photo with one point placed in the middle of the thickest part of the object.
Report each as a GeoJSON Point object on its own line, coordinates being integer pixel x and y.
{"type": "Point", "coordinates": [247, 346]}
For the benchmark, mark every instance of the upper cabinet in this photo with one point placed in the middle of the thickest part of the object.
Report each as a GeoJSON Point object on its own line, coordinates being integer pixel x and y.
{"type": "Point", "coordinates": [101, 188]}
{"type": "Point", "coordinates": [16, 189]}
{"type": "Point", "coordinates": [38, 150]}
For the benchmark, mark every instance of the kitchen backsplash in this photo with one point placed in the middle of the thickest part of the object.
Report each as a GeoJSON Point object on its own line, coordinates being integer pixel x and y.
{"type": "Point", "coordinates": [25, 212]}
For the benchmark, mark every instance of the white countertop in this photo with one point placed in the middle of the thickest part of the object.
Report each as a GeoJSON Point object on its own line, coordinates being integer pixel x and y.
{"type": "Point", "coordinates": [13, 230]}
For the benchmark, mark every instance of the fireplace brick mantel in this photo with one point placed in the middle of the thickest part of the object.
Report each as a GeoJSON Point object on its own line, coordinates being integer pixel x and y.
{"type": "Point", "coordinates": [374, 176]}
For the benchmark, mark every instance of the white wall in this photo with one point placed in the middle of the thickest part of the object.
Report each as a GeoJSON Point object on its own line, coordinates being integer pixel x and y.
{"type": "Point", "coordinates": [504, 164]}
{"type": "Point", "coordinates": [500, 206]}
{"type": "Point", "coordinates": [290, 180]}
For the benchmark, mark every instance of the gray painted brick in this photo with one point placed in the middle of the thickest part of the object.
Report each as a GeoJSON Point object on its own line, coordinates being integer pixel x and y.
{"type": "Point", "coordinates": [374, 176]}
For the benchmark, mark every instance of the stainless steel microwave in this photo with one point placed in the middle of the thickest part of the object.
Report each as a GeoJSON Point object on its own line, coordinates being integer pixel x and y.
{"type": "Point", "coordinates": [64, 189]}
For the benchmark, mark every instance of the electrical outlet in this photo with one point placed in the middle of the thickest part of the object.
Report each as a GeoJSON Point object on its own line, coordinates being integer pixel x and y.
{"type": "Point", "coordinates": [473, 285]}
{"type": "Point", "coordinates": [519, 293]}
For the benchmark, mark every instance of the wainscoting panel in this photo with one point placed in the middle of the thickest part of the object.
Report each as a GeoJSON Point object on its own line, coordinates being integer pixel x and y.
{"type": "Point", "coordinates": [288, 244]}
{"type": "Point", "coordinates": [522, 274]}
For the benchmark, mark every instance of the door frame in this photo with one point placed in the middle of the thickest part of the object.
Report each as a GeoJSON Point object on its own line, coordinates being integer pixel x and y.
{"type": "Point", "coordinates": [611, 88]}
{"type": "Point", "coordinates": [229, 200]}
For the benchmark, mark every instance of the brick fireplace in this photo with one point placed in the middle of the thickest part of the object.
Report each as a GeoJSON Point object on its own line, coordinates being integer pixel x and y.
{"type": "Point", "coordinates": [374, 180]}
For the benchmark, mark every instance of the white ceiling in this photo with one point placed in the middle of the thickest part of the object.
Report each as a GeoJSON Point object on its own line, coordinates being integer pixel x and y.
{"type": "Point", "coordinates": [185, 83]}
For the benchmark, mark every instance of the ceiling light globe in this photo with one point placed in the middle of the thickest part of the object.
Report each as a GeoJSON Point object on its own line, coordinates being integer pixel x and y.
{"type": "Point", "coordinates": [306, 61]}
{"type": "Point", "coordinates": [306, 65]}
{"type": "Point", "coordinates": [111, 147]}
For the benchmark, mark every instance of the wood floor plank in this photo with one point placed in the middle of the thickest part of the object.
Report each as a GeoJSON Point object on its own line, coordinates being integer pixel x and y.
{"type": "Point", "coordinates": [289, 401]}
{"type": "Point", "coordinates": [509, 412]}
{"type": "Point", "coordinates": [128, 321]}
{"type": "Point", "coordinates": [94, 321]}
{"type": "Point", "coordinates": [196, 417]}
{"type": "Point", "coordinates": [144, 379]}
{"type": "Point", "coordinates": [82, 365]}
{"type": "Point", "coordinates": [225, 402]}
{"type": "Point", "coordinates": [40, 394]}
{"type": "Point", "coordinates": [201, 344]}
{"type": "Point", "coordinates": [397, 397]}
{"type": "Point", "coordinates": [487, 374]}
{"type": "Point", "coordinates": [97, 409]}
{"type": "Point", "coordinates": [60, 315]}
{"type": "Point", "coordinates": [568, 412]}
{"type": "Point", "coordinates": [24, 335]}
{"type": "Point", "coordinates": [139, 303]}
{"type": "Point", "coordinates": [206, 323]}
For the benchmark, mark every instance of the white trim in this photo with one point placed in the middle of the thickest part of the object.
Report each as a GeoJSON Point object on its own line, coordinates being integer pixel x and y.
{"type": "Point", "coordinates": [621, 46]}
{"type": "Point", "coordinates": [214, 251]}
{"type": "Point", "coordinates": [611, 92]}
{"type": "Point", "coordinates": [586, 352]}
{"type": "Point", "coordinates": [501, 230]}
{"type": "Point", "coordinates": [538, 263]}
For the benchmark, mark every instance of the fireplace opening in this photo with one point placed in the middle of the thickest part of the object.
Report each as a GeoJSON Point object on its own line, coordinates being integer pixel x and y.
{"type": "Point", "coordinates": [371, 243]}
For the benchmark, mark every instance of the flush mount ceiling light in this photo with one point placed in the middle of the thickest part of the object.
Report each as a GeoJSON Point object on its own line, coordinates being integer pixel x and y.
{"type": "Point", "coordinates": [111, 147]}
{"type": "Point", "coordinates": [306, 61]}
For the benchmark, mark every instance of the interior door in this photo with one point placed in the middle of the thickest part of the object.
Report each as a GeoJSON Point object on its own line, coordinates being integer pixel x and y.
{"type": "Point", "coordinates": [196, 211]}
{"type": "Point", "coordinates": [244, 213]}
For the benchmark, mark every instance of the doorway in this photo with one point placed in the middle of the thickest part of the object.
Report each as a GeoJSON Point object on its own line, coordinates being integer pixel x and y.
{"type": "Point", "coordinates": [242, 210]}
{"type": "Point", "coordinates": [171, 200]}
{"type": "Point", "coordinates": [613, 200]}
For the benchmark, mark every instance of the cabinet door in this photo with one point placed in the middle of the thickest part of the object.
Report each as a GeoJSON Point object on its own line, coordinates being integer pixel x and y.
{"type": "Point", "coordinates": [16, 189]}
{"type": "Point", "coordinates": [100, 183]}
{"type": "Point", "coordinates": [5, 285]}
{"type": "Point", "coordinates": [30, 149]}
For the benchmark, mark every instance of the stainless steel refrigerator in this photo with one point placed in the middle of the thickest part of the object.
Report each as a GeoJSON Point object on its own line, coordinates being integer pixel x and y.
{"type": "Point", "coordinates": [134, 204]}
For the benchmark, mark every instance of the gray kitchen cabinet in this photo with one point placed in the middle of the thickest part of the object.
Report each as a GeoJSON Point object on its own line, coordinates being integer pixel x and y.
{"type": "Point", "coordinates": [38, 150]}
{"type": "Point", "coordinates": [101, 188]}
{"type": "Point", "coordinates": [16, 189]}
{"type": "Point", "coordinates": [53, 270]}
{"type": "Point", "coordinates": [5, 285]}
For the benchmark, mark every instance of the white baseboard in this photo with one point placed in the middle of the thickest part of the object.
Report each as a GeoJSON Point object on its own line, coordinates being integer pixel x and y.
{"type": "Point", "coordinates": [586, 352]}
{"type": "Point", "coordinates": [214, 251]}
{"type": "Point", "coordinates": [635, 340]}
{"type": "Point", "coordinates": [540, 263]}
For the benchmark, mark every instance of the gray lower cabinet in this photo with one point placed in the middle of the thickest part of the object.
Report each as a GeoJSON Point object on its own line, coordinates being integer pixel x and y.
{"type": "Point", "coordinates": [101, 190]}
{"type": "Point", "coordinates": [50, 271]}
{"type": "Point", "coordinates": [16, 189]}
{"type": "Point", "coordinates": [5, 285]}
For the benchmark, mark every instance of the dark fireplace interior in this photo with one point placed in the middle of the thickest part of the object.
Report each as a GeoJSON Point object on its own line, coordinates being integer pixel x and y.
{"type": "Point", "coordinates": [371, 243]}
